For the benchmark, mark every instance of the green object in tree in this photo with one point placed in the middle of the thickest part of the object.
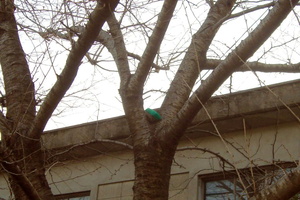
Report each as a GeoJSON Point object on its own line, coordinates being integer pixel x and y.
{"type": "Point", "coordinates": [153, 113]}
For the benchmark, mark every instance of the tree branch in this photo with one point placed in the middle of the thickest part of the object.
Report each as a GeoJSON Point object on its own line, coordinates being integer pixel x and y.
{"type": "Point", "coordinates": [233, 61]}
{"type": "Point", "coordinates": [106, 39]}
{"type": "Point", "coordinates": [155, 66]}
{"type": "Point", "coordinates": [258, 66]}
{"type": "Point", "coordinates": [204, 150]}
{"type": "Point", "coordinates": [4, 123]}
{"type": "Point", "coordinates": [120, 56]}
{"type": "Point", "coordinates": [164, 18]}
{"type": "Point", "coordinates": [251, 10]}
{"type": "Point", "coordinates": [19, 88]}
{"type": "Point", "coordinates": [131, 90]}
{"type": "Point", "coordinates": [211, 64]}
{"type": "Point", "coordinates": [13, 170]}
{"type": "Point", "coordinates": [194, 59]}
{"type": "Point", "coordinates": [285, 188]}
{"type": "Point", "coordinates": [65, 79]}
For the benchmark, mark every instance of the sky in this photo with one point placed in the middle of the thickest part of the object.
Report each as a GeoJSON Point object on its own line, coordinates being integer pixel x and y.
{"type": "Point", "coordinates": [94, 94]}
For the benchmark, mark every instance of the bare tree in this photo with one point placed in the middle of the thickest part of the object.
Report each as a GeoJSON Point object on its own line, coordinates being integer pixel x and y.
{"type": "Point", "coordinates": [21, 126]}
{"type": "Point", "coordinates": [154, 140]}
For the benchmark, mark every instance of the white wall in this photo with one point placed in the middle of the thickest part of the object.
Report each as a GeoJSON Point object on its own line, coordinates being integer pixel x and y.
{"type": "Point", "coordinates": [114, 172]}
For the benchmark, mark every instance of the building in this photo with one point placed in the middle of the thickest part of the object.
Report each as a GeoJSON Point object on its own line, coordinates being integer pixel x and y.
{"type": "Point", "coordinates": [240, 143]}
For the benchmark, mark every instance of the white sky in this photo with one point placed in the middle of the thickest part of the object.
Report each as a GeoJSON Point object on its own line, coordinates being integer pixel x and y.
{"type": "Point", "coordinates": [99, 97]}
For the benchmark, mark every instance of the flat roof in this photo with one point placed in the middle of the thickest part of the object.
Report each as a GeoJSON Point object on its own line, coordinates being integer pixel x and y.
{"type": "Point", "coordinates": [258, 107]}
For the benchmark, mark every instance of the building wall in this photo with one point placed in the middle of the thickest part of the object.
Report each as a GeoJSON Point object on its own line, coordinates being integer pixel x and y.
{"type": "Point", "coordinates": [4, 190]}
{"type": "Point", "coordinates": [110, 176]}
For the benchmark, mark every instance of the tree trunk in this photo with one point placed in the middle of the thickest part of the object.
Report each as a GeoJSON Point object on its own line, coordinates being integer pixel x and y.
{"type": "Point", "coordinates": [21, 129]}
{"type": "Point", "coordinates": [21, 156]}
{"type": "Point", "coordinates": [27, 178]}
{"type": "Point", "coordinates": [23, 163]}
{"type": "Point", "coordinates": [152, 172]}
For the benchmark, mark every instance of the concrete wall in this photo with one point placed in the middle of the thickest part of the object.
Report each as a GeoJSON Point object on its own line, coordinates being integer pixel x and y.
{"type": "Point", "coordinates": [110, 176]}
{"type": "Point", "coordinates": [257, 129]}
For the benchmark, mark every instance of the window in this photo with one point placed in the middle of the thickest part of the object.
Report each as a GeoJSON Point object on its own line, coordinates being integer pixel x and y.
{"type": "Point", "coordinates": [77, 198]}
{"type": "Point", "coordinates": [74, 196]}
{"type": "Point", "coordinates": [224, 190]}
{"type": "Point", "coordinates": [230, 186]}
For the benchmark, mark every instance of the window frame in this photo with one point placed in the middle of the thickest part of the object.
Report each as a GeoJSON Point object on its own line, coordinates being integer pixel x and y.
{"type": "Point", "coordinates": [73, 195]}
{"type": "Point", "coordinates": [218, 176]}
{"type": "Point", "coordinates": [231, 174]}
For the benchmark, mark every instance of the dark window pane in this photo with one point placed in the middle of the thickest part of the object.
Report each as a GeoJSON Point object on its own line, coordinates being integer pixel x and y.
{"type": "Point", "coordinates": [224, 190]}
{"type": "Point", "coordinates": [219, 187]}
{"type": "Point", "coordinates": [80, 198]}
{"type": "Point", "coordinates": [220, 197]}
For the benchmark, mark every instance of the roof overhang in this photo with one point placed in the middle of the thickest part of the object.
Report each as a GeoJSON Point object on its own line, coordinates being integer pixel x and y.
{"type": "Point", "coordinates": [254, 108]}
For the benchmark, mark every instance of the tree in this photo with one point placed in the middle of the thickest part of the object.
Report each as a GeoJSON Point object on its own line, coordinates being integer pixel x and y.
{"type": "Point", "coordinates": [154, 141]}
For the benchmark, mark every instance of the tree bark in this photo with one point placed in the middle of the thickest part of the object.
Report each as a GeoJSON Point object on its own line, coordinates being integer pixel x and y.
{"type": "Point", "coordinates": [284, 189]}
{"type": "Point", "coordinates": [194, 60]}
{"type": "Point", "coordinates": [153, 143]}
{"type": "Point", "coordinates": [21, 155]}
{"type": "Point", "coordinates": [64, 81]}
{"type": "Point", "coordinates": [233, 61]}
{"type": "Point", "coordinates": [152, 160]}
{"type": "Point", "coordinates": [21, 129]}
{"type": "Point", "coordinates": [152, 172]}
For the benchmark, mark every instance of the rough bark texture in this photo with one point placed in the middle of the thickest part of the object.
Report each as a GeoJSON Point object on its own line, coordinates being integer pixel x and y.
{"type": "Point", "coordinates": [258, 67]}
{"type": "Point", "coordinates": [195, 59]}
{"type": "Point", "coordinates": [236, 58]}
{"type": "Point", "coordinates": [152, 160]}
{"type": "Point", "coordinates": [154, 153]}
{"type": "Point", "coordinates": [96, 20]}
{"type": "Point", "coordinates": [21, 155]}
{"type": "Point", "coordinates": [284, 189]}
{"type": "Point", "coordinates": [153, 167]}
{"type": "Point", "coordinates": [20, 151]}
{"type": "Point", "coordinates": [155, 142]}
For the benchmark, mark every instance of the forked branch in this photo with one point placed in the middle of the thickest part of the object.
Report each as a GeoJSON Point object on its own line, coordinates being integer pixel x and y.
{"type": "Point", "coordinates": [234, 60]}
{"type": "Point", "coordinates": [65, 79]}
{"type": "Point", "coordinates": [164, 18]}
